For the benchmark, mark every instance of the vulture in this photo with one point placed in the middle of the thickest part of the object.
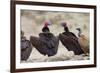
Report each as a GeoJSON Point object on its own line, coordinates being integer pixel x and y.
{"type": "Point", "coordinates": [83, 41]}
{"type": "Point", "coordinates": [26, 47]}
{"type": "Point", "coordinates": [69, 40]}
{"type": "Point", "coordinates": [46, 43]}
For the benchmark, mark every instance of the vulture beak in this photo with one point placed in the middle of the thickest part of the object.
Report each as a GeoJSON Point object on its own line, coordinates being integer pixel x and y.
{"type": "Point", "coordinates": [78, 29]}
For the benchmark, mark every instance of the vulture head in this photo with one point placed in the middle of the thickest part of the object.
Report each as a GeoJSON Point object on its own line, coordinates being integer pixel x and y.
{"type": "Point", "coordinates": [79, 29]}
{"type": "Point", "coordinates": [64, 24]}
{"type": "Point", "coordinates": [46, 28]}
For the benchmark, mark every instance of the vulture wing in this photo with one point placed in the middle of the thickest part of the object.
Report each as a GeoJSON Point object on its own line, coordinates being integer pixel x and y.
{"type": "Point", "coordinates": [46, 43]}
{"type": "Point", "coordinates": [26, 49]}
{"type": "Point", "coordinates": [70, 41]}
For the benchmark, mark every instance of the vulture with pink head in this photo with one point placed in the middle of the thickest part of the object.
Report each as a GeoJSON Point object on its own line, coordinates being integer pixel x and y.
{"type": "Point", "coordinates": [70, 41]}
{"type": "Point", "coordinates": [46, 43]}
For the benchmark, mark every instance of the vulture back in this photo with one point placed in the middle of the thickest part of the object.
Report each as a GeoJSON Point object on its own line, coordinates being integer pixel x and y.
{"type": "Point", "coordinates": [70, 41]}
{"type": "Point", "coordinates": [26, 48]}
{"type": "Point", "coordinates": [46, 43]}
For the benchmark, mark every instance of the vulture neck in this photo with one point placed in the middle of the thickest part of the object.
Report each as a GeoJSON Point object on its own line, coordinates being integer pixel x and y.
{"type": "Point", "coordinates": [66, 29]}
{"type": "Point", "coordinates": [79, 34]}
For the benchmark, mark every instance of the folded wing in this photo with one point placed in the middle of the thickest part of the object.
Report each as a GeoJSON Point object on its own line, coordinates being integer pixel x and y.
{"type": "Point", "coordinates": [46, 43]}
{"type": "Point", "coordinates": [70, 41]}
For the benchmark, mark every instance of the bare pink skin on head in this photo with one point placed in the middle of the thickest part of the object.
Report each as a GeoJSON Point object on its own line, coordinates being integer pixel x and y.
{"type": "Point", "coordinates": [64, 24]}
{"type": "Point", "coordinates": [46, 24]}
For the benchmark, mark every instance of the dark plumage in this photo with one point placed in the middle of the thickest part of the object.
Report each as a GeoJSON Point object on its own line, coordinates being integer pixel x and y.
{"type": "Point", "coordinates": [26, 47]}
{"type": "Point", "coordinates": [70, 41]}
{"type": "Point", "coordinates": [46, 43]}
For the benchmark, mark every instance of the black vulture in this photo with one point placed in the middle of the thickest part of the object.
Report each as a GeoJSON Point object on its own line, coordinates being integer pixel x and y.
{"type": "Point", "coordinates": [70, 41]}
{"type": "Point", "coordinates": [46, 43]}
{"type": "Point", "coordinates": [26, 47]}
